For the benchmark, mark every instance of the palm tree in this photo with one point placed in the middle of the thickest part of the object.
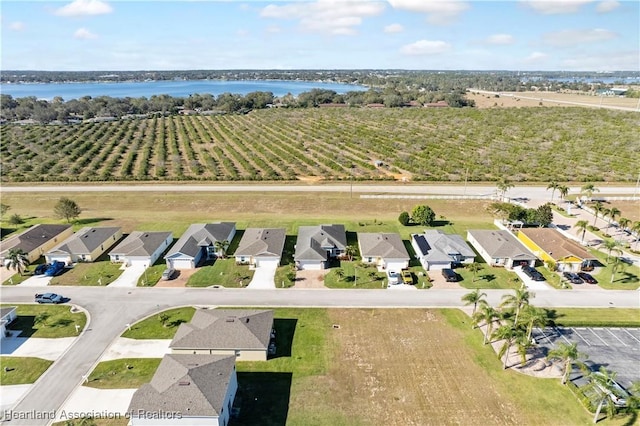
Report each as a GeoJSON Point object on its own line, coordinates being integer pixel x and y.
{"type": "Point", "coordinates": [510, 335]}
{"type": "Point", "coordinates": [582, 225]}
{"type": "Point", "coordinates": [17, 260]}
{"type": "Point", "coordinates": [611, 246]}
{"type": "Point", "coordinates": [588, 189]}
{"type": "Point", "coordinates": [604, 383]}
{"type": "Point", "coordinates": [474, 268]}
{"type": "Point", "coordinates": [597, 209]}
{"type": "Point", "coordinates": [517, 301]}
{"type": "Point", "coordinates": [350, 251]}
{"type": "Point", "coordinates": [624, 223]}
{"type": "Point", "coordinates": [474, 298]}
{"type": "Point", "coordinates": [340, 273]}
{"type": "Point", "coordinates": [563, 191]}
{"type": "Point", "coordinates": [534, 317]}
{"type": "Point", "coordinates": [569, 356]}
{"type": "Point", "coordinates": [553, 185]}
{"type": "Point", "coordinates": [636, 228]}
{"type": "Point", "coordinates": [617, 265]}
{"type": "Point", "coordinates": [221, 247]}
{"type": "Point", "coordinates": [487, 314]}
{"type": "Point", "coordinates": [613, 213]}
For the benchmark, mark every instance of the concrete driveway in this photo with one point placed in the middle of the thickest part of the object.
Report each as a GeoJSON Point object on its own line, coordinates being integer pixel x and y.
{"type": "Point", "coordinates": [36, 281]}
{"type": "Point", "coordinates": [91, 400]}
{"type": "Point", "coordinates": [50, 349]}
{"type": "Point", "coordinates": [129, 277]}
{"type": "Point", "coordinates": [263, 278]}
{"type": "Point", "coordinates": [529, 283]}
{"type": "Point", "coordinates": [136, 348]}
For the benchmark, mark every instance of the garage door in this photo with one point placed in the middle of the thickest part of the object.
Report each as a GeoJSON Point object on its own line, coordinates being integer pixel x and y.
{"type": "Point", "coordinates": [311, 266]}
{"type": "Point", "coordinates": [438, 266]}
{"type": "Point", "coordinates": [59, 258]}
{"type": "Point", "coordinates": [140, 262]}
{"type": "Point", "coordinates": [267, 263]}
{"type": "Point", "coordinates": [396, 266]}
{"type": "Point", "coordinates": [181, 263]}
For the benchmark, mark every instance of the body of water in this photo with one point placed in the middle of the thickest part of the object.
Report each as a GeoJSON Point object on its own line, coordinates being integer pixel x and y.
{"type": "Point", "coordinates": [174, 88]}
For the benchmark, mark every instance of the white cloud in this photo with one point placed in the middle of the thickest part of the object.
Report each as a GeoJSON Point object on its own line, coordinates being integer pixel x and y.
{"type": "Point", "coordinates": [499, 39]}
{"type": "Point", "coordinates": [574, 37]}
{"type": "Point", "coordinates": [607, 6]}
{"type": "Point", "coordinates": [16, 26]}
{"type": "Point", "coordinates": [84, 7]}
{"type": "Point", "coordinates": [425, 47]}
{"type": "Point", "coordinates": [609, 61]}
{"type": "Point", "coordinates": [273, 29]}
{"type": "Point", "coordinates": [555, 7]}
{"type": "Point", "coordinates": [84, 34]}
{"type": "Point", "coordinates": [535, 57]}
{"type": "Point", "coordinates": [336, 17]}
{"type": "Point", "coordinates": [393, 28]}
{"type": "Point", "coordinates": [439, 12]}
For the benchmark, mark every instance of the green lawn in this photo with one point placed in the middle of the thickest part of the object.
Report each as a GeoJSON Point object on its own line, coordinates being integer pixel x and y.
{"type": "Point", "coordinates": [47, 321]}
{"type": "Point", "coordinates": [595, 317]}
{"type": "Point", "coordinates": [356, 275]}
{"type": "Point", "coordinates": [27, 273]}
{"type": "Point", "coordinates": [90, 273]}
{"type": "Point", "coordinates": [223, 272]}
{"type": "Point", "coordinates": [626, 278]}
{"type": "Point", "coordinates": [489, 277]}
{"type": "Point", "coordinates": [21, 370]}
{"type": "Point", "coordinates": [152, 275]}
{"type": "Point", "coordinates": [154, 328]}
{"type": "Point", "coordinates": [125, 373]}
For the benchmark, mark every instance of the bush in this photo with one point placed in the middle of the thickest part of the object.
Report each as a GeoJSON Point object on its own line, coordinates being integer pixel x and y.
{"type": "Point", "coordinates": [592, 228]}
{"type": "Point", "coordinates": [404, 218]}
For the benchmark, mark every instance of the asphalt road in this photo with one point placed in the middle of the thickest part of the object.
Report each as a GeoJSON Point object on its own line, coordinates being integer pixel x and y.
{"type": "Point", "coordinates": [111, 309]}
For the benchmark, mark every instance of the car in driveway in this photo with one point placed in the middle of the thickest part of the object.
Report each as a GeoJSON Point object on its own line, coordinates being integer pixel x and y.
{"type": "Point", "coordinates": [587, 278]}
{"type": "Point", "coordinates": [168, 274]}
{"type": "Point", "coordinates": [532, 273]}
{"type": "Point", "coordinates": [407, 277]}
{"type": "Point", "coordinates": [450, 275]}
{"type": "Point", "coordinates": [49, 298]}
{"type": "Point", "coordinates": [393, 277]}
{"type": "Point", "coordinates": [572, 277]}
{"type": "Point", "coordinates": [54, 269]}
{"type": "Point", "coordinates": [41, 269]}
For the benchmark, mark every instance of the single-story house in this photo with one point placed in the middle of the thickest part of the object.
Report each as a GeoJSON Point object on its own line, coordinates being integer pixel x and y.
{"type": "Point", "coordinates": [187, 390]}
{"type": "Point", "coordinates": [437, 250]}
{"type": "Point", "coordinates": [500, 248]}
{"type": "Point", "coordinates": [7, 316]}
{"type": "Point", "coordinates": [261, 247]}
{"type": "Point", "coordinates": [201, 241]}
{"type": "Point", "coordinates": [141, 248]}
{"type": "Point", "coordinates": [316, 245]}
{"type": "Point", "coordinates": [35, 241]}
{"type": "Point", "coordinates": [385, 250]}
{"type": "Point", "coordinates": [549, 245]}
{"type": "Point", "coordinates": [86, 245]}
{"type": "Point", "coordinates": [246, 334]}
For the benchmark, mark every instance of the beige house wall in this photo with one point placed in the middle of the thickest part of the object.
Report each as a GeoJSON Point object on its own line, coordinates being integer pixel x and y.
{"type": "Point", "coordinates": [246, 355]}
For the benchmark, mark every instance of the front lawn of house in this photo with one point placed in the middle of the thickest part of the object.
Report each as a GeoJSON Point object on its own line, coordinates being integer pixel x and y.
{"type": "Point", "coordinates": [125, 373]}
{"type": "Point", "coordinates": [99, 273]}
{"type": "Point", "coordinates": [21, 370]}
{"type": "Point", "coordinates": [162, 325]}
{"type": "Point", "coordinates": [47, 321]}
{"type": "Point", "coordinates": [223, 272]}
{"type": "Point", "coordinates": [355, 275]}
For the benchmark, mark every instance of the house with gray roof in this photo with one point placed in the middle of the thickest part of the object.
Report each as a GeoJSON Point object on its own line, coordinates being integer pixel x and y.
{"type": "Point", "coordinates": [201, 241]}
{"type": "Point", "coordinates": [35, 241]}
{"type": "Point", "coordinates": [7, 316]}
{"type": "Point", "coordinates": [261, 247]}
{"type": "Point", "coordinates": [246, 334]}
{"type": "Point", "coordinates": [437, 250]}
{"type": "Point", "coordinates": [141, 248]}
{"type": "Point", "coordinates": [500, 248]}
{"type": "Point", "coordinates": [385, 250]}
{"type": "Point", "coordinates": [86, 245]}
{"type": "Point", "coordinates": [187, 390]}
{"type": "Point", "coordinates": [317, 245]}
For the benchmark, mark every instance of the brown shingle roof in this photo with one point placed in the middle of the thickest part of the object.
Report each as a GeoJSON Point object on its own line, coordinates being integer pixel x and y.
{"type": "Point", "coordinates": [555, 244]}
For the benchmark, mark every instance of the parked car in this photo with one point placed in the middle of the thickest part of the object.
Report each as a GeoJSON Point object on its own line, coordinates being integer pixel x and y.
{"type": "Point", "coordinates": [532, 273]}
{"type": "Point", "coordinates": [572, 277]}
{"type": "Point", "coordinates": [49, 298]}
{"type": "Point", "coordinates": [393, 277]}
{"type": "Point", "coordinates": [54, 269]}
{"type": "Point", "coordinates": [41, 269]}
{"type": "Point", "coordinates": [587, 278]}
{"type": "Point", "coordinates": [168, 274]}
{"type": "Point", "coordinates": [407, 277]}
{"type": "Point", "coordinates": [450, 275]}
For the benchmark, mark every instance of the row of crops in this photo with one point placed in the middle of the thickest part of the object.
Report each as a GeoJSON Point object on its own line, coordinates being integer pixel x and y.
{"type": "Point", "coordinates": [566, 144]}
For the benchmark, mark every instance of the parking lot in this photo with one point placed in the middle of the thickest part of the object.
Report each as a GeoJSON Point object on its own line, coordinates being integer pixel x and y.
{"type": "Point", "coordinates": [617, 349]}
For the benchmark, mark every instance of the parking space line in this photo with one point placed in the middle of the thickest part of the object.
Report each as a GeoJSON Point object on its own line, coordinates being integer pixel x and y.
{"type": "Point", "coordinates": [596, 334]}
{"type": "Point", "coordinates": [580, 336]}
{"type": "Point", "coordinates": [545, 335]}
{"type": "Point", "coordinates": [617, 338]}
{"type": "Point", "coordinates": [567, 340]}
{"type": "Point", "coordinates": [632, 336]}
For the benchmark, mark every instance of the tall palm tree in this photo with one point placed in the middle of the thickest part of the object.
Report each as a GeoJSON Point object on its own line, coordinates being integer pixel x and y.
{"type": "Point", "coordinates": [582, 225]}
{"type": "Point", "coordinates": [612, 246]}
{"type": "Point", "coordinates": [624, 223]}
{"type": "Point", "coordinates": [613, 213]}
{"type": "Point", "coordinates": [510, 335]}
{"type": "Point", "coordinates": [474, 298]}
{"type": "Point", "coordinates": [340, 273]}
{"type": "Point", "coordinates": [474, 267]}
{"type": "Point", "coordinates": [350, 251]}
{"type": "Point", "coordinates": [221, 247]}
{"type": "Point", "coordinates": [534, 317]}
{"type": "Point", "coordinates": [563, 191]}
{"type": "Point", "coordinates": [617, 265]}
{"type": "Point", "coordinates": [569, 356]}
{"type": "Point", "coordinates": [487, 314]}
{"type": "Point", "coordinates": [553, 185]}
{"type": "Point", "coordinates": [603, 382]}
{"type": "Point", "coordinates": [17, 260]}
{"type": "Point", "coordinates": [597, 209]}
{"type": "Point", "coordinates": [588, 189]}
{"type": "Point", "coordinates": [636, 228]}
{"type": "Point", "coordinates": [517, 301]}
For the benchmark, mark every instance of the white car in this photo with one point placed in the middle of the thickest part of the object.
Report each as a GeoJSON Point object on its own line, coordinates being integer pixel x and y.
{"type": "Point", "coordinates": [393, 277]}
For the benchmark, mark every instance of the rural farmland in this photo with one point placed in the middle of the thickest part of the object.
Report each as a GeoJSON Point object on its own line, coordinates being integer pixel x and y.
{"type": "Point", "coordinates": [524, 144]}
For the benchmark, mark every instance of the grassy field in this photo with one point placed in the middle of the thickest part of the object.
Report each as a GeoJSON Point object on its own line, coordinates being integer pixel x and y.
{"type": "Point", "coordinates": [21, 370]}
{"type": "Point", "coordinates": [101, 272]}
{"type": "Point", "coordinates": [338, 144]}
{"type": "Point", "coordinates": [223, 272]}
{"type": "Point", "coordinates": [154, 328]}
{"type": "Point", "coordinates": [125, 373]}
{"type": "Point", "coordinates": [47, 321]}
{"type": "Point", "coordinates": [581, 317]}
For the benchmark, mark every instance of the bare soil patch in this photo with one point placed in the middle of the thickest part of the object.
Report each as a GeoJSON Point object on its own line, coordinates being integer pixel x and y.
{"type": "Point", "coordinates": [310, 279]}
{"type": "Point", "coordinates": [547, 99]}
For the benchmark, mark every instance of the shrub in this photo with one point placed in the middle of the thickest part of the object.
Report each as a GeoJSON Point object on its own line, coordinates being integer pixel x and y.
{"type": "Point", "coordinates": [404, 218]}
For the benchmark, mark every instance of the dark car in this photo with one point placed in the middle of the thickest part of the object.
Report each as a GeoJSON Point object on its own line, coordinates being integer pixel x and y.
{"type": "Point", "coordinates": [41, 269]}
{"type": "Point", "coordinates": [49, 298]}
{"type": "Point", "coordinates": [587, 278]}
{"type": "Point", "coordinates": [572, 277]}
{"type": "Point", "coordinates": [450, 275]}
{"type": "Point", "coordinates": [532, 273]}
{"type": "Point", "coordinates": [54, 269]}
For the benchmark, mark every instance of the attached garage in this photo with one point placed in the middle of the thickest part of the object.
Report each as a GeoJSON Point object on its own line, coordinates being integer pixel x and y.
{"type": "Point", "coordinates": [267, 262]}
{"type": "Point", "coordinates": [181, 263]}
{"type": "Point", "coordinates": [310, 265]}
{"type": "Point", "coordinates": [58, 257]}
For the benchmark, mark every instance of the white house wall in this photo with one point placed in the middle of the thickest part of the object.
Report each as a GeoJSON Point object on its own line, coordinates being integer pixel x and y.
{"type": "Point", "coordinates": [66, 258]}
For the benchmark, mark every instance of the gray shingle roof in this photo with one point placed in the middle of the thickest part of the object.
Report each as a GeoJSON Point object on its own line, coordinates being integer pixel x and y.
{"type": "Point", "coordinates": [435, 246]}
{"type": "Point", "coordinates": [194, 385]}
{"type": "Point", "coordinates": [6, 311]}
{"type": "Point", "coordinates": [86, 240]}
{"type": "Point", "coordinates": [261, 242]}
{"type": "Point", "coordinates": [379, 244]}
{"type": "Point", "coordinates": [501, 244]}
{"type": "Point", "coordinates": [201, 235]}
{"type": "Point", "coordinates": [139, 243]}
{"type": "Point", "coordinates": [314, 241]}
{"type": "Point", "coordinates": [32, 238]}
{"type": "Point", "coordinates": [233, 329]}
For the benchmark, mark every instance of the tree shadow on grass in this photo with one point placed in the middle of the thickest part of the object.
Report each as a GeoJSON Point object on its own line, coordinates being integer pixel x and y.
{"type": "Point", "coordinates": [91, 220]}
{"type": "Point", "coordinates": [285, 329]}
{"type": "Point", "coordinates": [261, 399]}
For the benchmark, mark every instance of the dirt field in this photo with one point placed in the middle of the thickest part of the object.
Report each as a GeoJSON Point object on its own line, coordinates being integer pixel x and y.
{"type": "Point", "coordinates": [534, 99]}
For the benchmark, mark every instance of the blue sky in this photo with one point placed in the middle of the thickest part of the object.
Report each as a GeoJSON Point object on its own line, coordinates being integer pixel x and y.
{"type": "Point", "coordinates": [598, 35]}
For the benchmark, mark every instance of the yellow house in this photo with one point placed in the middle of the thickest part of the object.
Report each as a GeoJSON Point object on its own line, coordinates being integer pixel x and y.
{"type": "Point", "coordinates": [35, 241]}
{"type": "Point", "coordinates": [549, 245]}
